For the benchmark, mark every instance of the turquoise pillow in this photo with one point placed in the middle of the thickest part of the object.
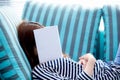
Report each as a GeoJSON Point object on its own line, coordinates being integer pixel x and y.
{"type": "Point", "coordinates": [13, 62]}
{"type": "Point", "coordinates": [111, 16]}
{"type": "Point", "coordinates": [78, 26]}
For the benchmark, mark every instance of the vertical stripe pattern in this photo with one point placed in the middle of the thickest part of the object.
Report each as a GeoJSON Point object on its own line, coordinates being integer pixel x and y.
{"type": "Point", "coordinates": [76, 25]}
{"type": "Point", "coordinates": [111, 16]}
{"type": "Point", "coordinates": [13, 62]}
{"type": "Point", "coordinates": [67, 69]}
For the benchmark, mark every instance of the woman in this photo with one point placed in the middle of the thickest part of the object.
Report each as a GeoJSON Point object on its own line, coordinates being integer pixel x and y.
{"type": "Point", "coordinates": [88, 68]}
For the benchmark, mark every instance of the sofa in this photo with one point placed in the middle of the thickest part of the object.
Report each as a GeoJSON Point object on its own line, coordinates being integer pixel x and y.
{"type": "Point", "coordinates": [78, 29]}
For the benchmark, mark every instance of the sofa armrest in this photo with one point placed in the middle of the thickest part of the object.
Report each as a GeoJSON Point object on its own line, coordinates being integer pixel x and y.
{"type": "Point", "coordinates": [13, 62]}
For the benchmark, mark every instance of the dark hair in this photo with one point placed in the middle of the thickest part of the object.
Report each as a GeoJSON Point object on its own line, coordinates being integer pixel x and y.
{"type": "Point", "coordinates": [27, 41]}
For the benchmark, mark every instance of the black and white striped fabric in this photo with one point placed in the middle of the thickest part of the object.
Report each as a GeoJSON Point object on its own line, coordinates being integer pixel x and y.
{"type": "Point", "coordinates": [67, 69]}
{"type": "Point", "coordinates": [77, 26]}
{"type": "Point", "coordinates": [111, 16]}
{"type": "Point", "coordinates": [13, 62]}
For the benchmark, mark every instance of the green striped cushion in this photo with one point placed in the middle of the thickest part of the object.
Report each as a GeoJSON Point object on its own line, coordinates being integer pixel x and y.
{"type": "Point", "coordinates": [13, 62]}
{"type": "Point", "coordinates": [111, 15]}
{"type": "Point", "coordinates": [77, 26]}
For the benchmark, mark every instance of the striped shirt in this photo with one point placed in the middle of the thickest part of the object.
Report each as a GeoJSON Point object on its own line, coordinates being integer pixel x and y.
{"type": "Point", "coordinates": [67, 69]}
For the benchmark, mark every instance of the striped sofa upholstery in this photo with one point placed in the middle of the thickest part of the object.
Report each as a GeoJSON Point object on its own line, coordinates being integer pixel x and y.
{"type": "Point", "coordinates": [78, 27]}
{"type": "Point", "coordinates": [111, 16]}
{"type": "Point", "coordinates": [13, 62]}
{"type": "Point", "coordinates": [100, 44]}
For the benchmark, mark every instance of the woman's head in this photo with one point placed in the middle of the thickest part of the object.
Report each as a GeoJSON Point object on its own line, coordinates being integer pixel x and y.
{"type": "Point", "coordinates": [27, 41]}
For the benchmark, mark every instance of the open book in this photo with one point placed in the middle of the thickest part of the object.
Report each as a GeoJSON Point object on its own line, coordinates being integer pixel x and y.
{"type": "Point", "coordinates": [48, 43]}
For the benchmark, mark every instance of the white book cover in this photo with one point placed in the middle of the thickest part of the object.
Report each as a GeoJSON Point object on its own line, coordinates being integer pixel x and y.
{"type": "Point", "coordinates": [48, 43]}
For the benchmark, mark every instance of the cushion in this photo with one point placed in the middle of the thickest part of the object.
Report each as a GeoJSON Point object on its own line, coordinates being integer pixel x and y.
{"type": "Point", "coordinates": [13, 62]}
{"type": "Point", "coordinates": [111, 16]}
{"type": "Point", "coordinates": [78, 27]}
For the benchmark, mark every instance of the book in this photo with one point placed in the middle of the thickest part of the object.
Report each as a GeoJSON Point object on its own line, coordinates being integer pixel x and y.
{"type": "Point", "coordinates": [48, 43]}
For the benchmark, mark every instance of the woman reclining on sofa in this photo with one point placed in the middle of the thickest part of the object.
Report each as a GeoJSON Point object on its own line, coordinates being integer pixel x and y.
{"type": "Point", "coordinates": [88, 68]}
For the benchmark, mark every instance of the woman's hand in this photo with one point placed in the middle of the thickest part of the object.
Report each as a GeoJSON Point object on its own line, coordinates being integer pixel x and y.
{"type": "Point", "coordinates": [88, 62]}
{"type": "Point", "coordinates": [87, 56]}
